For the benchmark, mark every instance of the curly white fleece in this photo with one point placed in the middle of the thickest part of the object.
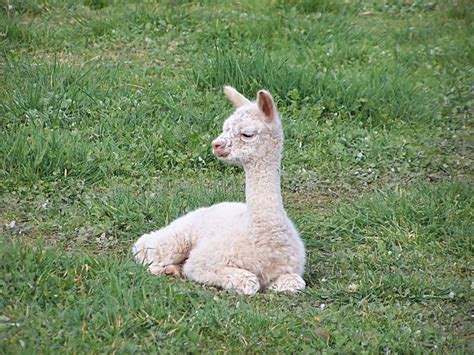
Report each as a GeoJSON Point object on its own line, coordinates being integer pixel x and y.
{"type": "Point", "coordinates": [247, 247]}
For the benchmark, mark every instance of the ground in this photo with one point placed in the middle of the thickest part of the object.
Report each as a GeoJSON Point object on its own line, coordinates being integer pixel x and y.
{"type": "Point", "coordinates": [107, 111]}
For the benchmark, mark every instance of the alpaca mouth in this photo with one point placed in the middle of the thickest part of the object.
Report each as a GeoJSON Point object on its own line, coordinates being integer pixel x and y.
{"type": "Point", "coordinates": [220, 154]}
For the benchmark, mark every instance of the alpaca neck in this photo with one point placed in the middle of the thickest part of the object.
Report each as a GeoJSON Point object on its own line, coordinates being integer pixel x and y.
{"type": "Point", "coordinates": [263, 196]}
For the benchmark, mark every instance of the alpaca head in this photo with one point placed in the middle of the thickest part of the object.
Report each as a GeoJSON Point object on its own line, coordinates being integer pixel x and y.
{"type": "Point", "coordinates": [252, 133]}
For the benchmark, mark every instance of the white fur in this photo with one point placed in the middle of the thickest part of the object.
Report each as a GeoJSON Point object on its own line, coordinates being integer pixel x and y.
{"type": "Point", "coordinates": [247, 247]}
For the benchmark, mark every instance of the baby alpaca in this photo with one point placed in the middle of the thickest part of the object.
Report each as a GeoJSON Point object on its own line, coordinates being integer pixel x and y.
{"type": "Point", "coordinates": [248, 246]}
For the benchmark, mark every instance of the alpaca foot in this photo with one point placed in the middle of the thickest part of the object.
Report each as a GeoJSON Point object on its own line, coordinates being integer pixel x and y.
{"type": "Point", "coordinates": [173, 270]}
{"type": "Point", "coordinates": [170, 270]}
{"type": "Point", "coordinates": [288, 283]}
{"type": "Point", "coordinates": [245, 283]}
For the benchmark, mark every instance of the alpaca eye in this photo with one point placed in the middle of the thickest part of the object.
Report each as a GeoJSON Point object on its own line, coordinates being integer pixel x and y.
{"type": "Point", "coordinates": [247, 135]}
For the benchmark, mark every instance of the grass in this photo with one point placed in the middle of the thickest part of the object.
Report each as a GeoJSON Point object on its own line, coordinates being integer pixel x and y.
{"type": "Point", "coordinates": [107, 111]}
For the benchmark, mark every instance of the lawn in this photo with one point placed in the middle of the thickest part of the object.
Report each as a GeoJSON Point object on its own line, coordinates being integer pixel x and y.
{"type": "Point", "coordinates": [107, 111]}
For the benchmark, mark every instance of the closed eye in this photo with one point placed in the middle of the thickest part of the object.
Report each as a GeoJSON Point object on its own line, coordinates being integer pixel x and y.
{"type": "Point", "coordinates": [247, 135]}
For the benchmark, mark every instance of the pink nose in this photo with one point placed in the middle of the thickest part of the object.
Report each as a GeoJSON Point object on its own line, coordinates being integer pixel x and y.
{"type": "Point", "coordinates": [217, 145]}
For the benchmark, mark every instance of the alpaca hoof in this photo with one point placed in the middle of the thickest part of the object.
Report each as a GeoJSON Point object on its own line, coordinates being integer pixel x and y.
{"type": "Point", "coordinates": [169, 270]}
{"type": "Point", "coordinates": [173, 270]}
{"type": "Point", "coordinates": [247, 285]}
{"type": "Point", "coordinates": [288, 283]}
{"type": "Point", "coordinates": [156, 269]}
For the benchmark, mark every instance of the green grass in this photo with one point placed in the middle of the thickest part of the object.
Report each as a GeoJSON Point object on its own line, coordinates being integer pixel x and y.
{"type": "Point", "coordinates": [107, 111]}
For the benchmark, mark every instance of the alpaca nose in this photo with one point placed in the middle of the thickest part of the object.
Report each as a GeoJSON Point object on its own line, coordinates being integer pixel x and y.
{"type": "Point", "coordinates": [217, 145]}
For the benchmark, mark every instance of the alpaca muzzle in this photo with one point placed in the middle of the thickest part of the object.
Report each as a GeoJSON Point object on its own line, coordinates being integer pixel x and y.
{"type": "Point", "coordinates": [218, 148]}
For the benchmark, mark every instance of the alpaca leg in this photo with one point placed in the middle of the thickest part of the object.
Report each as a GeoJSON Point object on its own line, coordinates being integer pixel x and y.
{"type": "Point", "coordinates": [287, 282]}
{"type": "Point", "coordinates": [163, 252]}
{"type": "Point", "coordinates": [226, 277]}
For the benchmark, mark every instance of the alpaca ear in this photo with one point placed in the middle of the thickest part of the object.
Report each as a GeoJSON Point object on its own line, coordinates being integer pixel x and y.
{"type": "Point", "coordinates": [235, 97]}
{"type": "Point", "coordinates": [266, 105]}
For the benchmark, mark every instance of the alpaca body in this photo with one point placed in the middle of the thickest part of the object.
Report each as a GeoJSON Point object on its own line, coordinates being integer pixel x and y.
{"type": "Point", "coordinates": [247, 247]}
{"type": "Point", "coordinates": [217, 237]}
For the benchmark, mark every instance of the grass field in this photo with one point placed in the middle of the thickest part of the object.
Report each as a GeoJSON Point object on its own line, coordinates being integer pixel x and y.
{"type": "Point", "coordinates": [107, 111]}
